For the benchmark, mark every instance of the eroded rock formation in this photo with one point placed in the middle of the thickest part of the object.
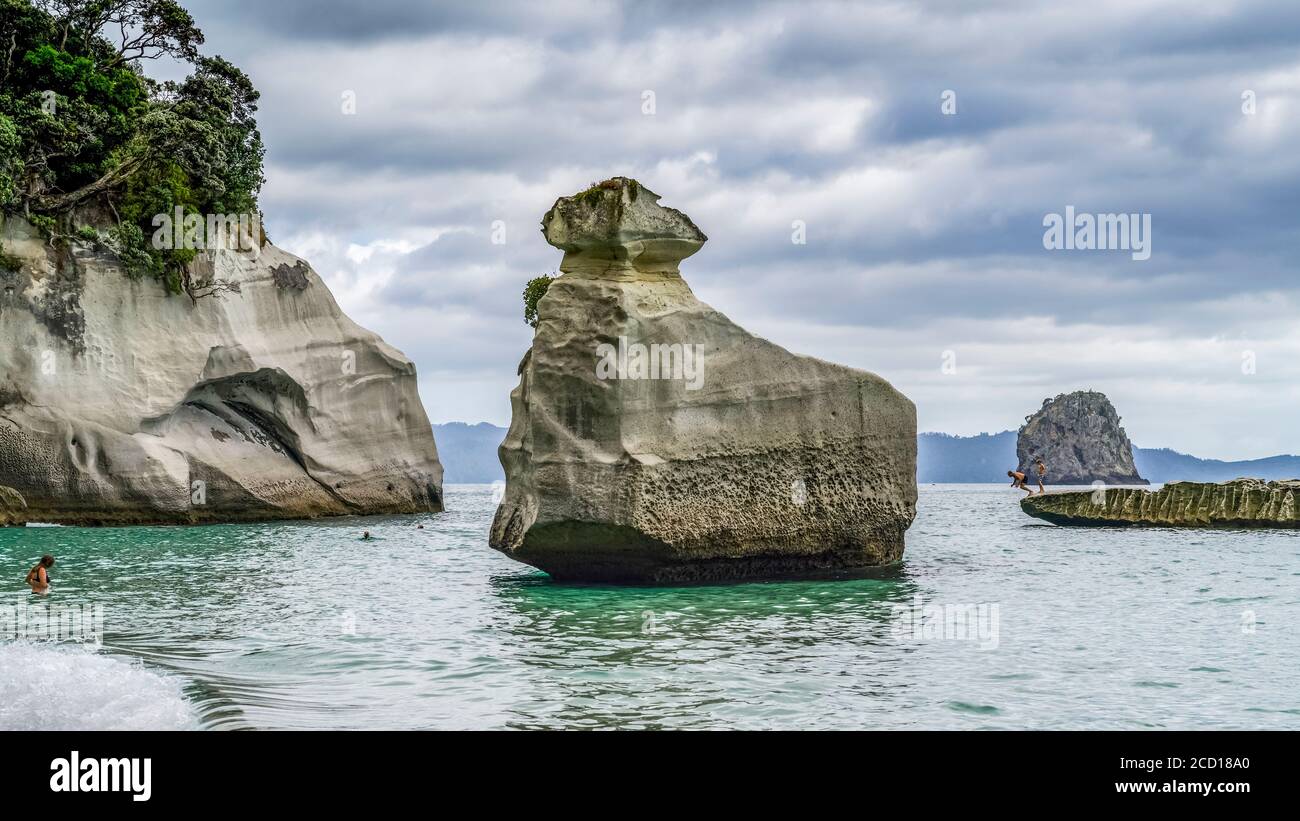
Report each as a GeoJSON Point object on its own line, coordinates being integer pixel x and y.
{"type": "Point", "coordinates": [13, 507]}
{"type": "Point", "coordinates": [120, 404]}
{"type": "Point", "coordinates": [654, 440]}
{"type": "Point", "coordinates": [1239, 503]}
{"type": "Point", "coordinates": [1079, 438]}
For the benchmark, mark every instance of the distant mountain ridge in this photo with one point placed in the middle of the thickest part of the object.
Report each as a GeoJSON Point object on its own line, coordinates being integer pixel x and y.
{"type": "Point", "coordinates": [941, 457]}
{"type": "Point", "coordinates": [471, 452]}
{"type": "Point", "coordinates": [469, 456]}
{"type": "Point", "coordinates": [1165, 465]}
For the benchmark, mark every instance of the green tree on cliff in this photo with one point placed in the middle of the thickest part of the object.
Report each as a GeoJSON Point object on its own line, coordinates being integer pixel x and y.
{"type": "Point", "coordinates": [81, 124]}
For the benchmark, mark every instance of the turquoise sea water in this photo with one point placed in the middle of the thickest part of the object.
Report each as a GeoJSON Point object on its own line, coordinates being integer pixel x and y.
{"type": "Point", "coordinates": [302, 625]}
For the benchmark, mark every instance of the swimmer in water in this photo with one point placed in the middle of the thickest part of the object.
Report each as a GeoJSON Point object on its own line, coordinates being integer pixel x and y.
{"type": "Point", "coordinates": [38, 578]}
{"type": "Point", "coordinates": [365, 537]}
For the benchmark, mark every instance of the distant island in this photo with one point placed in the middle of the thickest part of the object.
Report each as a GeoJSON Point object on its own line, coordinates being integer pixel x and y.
{"type": "Point", "coordinates": [1078, 436]}
{"type": "Point", "coordinates": [469, 456]}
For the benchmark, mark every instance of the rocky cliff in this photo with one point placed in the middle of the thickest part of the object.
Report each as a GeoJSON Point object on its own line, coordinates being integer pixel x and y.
{"type": "Point", "coordinates": [1079, 438]}
{"type": "Point", "coordinates": [654, 440]}
{"type": "Point", "coordinates": [1239, 503]}
{"type": "Point", "coordinates": [122, 404]}
{"type": "Point", "coordinates": [13, 507]}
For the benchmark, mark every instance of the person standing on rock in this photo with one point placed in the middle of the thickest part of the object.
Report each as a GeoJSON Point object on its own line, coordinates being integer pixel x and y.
{"type": "Point", "coordinates": [1018, 480]}
{"type": "Point", "coordinates": [1041, 470]}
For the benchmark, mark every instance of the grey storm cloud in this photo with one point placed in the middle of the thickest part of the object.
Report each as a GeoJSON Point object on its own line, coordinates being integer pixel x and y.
{"type": "Point", "coordinates": [924, 230]}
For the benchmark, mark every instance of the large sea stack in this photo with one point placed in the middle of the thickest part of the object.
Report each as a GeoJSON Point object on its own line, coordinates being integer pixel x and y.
{"type": "Point", "coordinates": [1079, 438]}
{"type": "Point", "coordinates": [653, 440]}
{"type": "Point", "coordinates": [249, 396]}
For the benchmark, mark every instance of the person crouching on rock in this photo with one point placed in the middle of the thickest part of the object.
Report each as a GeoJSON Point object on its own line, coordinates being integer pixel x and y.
{"type": "Point", "coordinates": [1041, 470]}
{"type": "Point", "coordinates": [38, 578]}
{"type": "Point", "coordinates": [1018, 480]}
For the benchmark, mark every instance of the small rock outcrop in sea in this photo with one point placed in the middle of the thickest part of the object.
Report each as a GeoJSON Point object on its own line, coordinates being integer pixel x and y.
{"type": "Point", "coordinates": [254, 397]}
{"type": "Point", "coordinates": [654, 440]}
{"type": "Point", "coordinates": [1239, 503]}
{"type": "Point", "coordinates": [13, 507]}
{"type": "Point", "coordinates": [1079, 438]}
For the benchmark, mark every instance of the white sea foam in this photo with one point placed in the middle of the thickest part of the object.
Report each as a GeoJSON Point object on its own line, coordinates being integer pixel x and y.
{"type": "Point", "coordinates": [74, 687]}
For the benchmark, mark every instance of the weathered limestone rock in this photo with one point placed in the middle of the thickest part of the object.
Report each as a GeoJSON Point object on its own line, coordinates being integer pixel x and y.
{"type": "Point", "coordinates": [1079, 439]}
{"type": "Point", "coordinates": [120, 404]}
{"type": "Point", "coordinates": [1239, 503]}
{"type": "Point", "coordinates": [716, 455]}
{"type": "Point", "coordinates": [13, 508]}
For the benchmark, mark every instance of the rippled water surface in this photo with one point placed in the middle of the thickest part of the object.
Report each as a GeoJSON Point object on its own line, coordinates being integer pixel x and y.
{"type": "Point", "coordinates": [302, 625]}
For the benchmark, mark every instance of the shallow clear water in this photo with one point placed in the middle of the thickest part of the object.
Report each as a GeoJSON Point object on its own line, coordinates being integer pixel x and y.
{"type": "Point", "coordinates": [302, 625]}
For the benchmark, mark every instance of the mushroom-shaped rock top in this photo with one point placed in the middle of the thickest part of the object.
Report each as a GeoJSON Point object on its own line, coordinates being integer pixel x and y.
{"type": "Point", "coordinates": [619, 224]}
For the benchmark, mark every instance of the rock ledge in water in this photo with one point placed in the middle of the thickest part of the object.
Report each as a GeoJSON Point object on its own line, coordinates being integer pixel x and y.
{"type": "Point", "coordinates": [1239, 503]}
{"type": "Point", "coordinates": [746, 461]}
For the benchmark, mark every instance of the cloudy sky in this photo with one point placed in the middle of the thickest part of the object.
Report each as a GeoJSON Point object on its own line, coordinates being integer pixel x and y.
{"type": "Point", "coordinates": [924, 228]}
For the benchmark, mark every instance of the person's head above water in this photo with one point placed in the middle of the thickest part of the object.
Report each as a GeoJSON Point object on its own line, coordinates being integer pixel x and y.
{"type": "Point", "coordinates": [47, 561]}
